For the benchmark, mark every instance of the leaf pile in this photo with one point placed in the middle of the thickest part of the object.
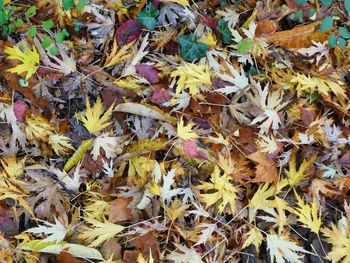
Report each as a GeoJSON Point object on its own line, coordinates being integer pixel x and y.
{"type": "Point", "coordinates": [174, 131]}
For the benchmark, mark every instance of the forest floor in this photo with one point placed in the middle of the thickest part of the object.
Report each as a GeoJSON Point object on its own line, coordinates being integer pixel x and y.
{"type": "Point", "coordinates": [174, 131]}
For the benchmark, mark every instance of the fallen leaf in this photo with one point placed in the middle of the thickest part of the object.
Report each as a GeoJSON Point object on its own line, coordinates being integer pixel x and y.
{"type": "Point", "coordinates": [266, 171]}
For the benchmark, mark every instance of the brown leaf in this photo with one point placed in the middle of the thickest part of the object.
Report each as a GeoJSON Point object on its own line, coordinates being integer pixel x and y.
{"type": "Point", "coordinates": [319, 188]}
{"type": "Point", "coordinates": [265, 27]}
{"type": "Point", "coordinates": [65, 257]}
{"type": "Point", "coordinates": [266, 171]}
{"type": "Point", "coordinates": [111, 247]}
{"type": "Point", "coordinates": [130, 256]}
{"type": "Point", "coordinates": [147, 243]}
{"type": "Point", "coordinates": [119, 210]}
{"type": "Point", "coordinates": [298, 37]}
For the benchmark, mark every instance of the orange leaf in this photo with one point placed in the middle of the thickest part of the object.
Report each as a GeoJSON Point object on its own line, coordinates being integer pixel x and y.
{"type": "Point", "coordinates": [298, 37]}
{"type": "Point", "coordinates": [266, 171]}
{"type": "Point", "coordinates": [119, 210]}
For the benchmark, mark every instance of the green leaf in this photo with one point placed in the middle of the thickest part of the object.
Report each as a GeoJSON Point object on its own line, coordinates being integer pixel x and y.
{"type": "Point", "coordinates": [225, 32]}
{"type": "Point", "coordinates": [327, 24]}
{"type": "Point", "coordinates": [11, 27]}
{"type": "Point", "coordinates": [4, 16]}
{"type": "Point", "coordinates": [147, 16]}
{"type": "Point", "coordinates": [344, 32]}
{"type": "Point", "coordinates": [46, 42]}
{"type": "Point", "coordinates": [347, 6]}
{"type": "Point", "coordinates": [80, 5]}
{"type": "Point", "coordinates": [332, 41]}
{"type": "Point", "coordinates": [190, 49]}
{"type": "Point", "coordinates": [54, 51]}
{"type": "Point", "coordinates": [326, 2]}
{"type": "Point", "coordinates": [342, 43]}
{"type": "Point", "coordinates": [1, 3]}
{"type": "Point", "coordinates": [312, 12]}
{"type": "Point", "coordinates": [67, 4]}
{"type": "Point", "coordinates": [300, 2]}
{"type": "Point", "coordinates": [60, 36]}
{"type": "Point", "coordinates": [31, 11]}
{"type": "Point", "coordinates": [32, 31]}
{"type": "Point", "coordinates": [298, 14]}
{"type": "Point", "coordinates": [245, 45]}
{"type": "Point", "coordinates": [47, 25]}
{"type": "Point", "coordinates": [19, 22]}
{"type": "Point", "coordinates": [83, 252]}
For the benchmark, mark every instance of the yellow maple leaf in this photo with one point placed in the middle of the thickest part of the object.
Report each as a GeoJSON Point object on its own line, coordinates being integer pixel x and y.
{"type": "Point", "coordinates": [294, 176]}
{"type": "Point", "coordinates": [95, 119]}
{"type": "Point", "coordinates": [209, 40]}
{"type": "Point", "coordinates": [13, 168]}
{"type": "Point", "coordinates": [60, 144]}
{"type": "Point", "coordinates": [99, 232]}
{"type": "Point", "coordinates": [140, 169]}
{"type": "Point", "coordinates": [185, 131]}
{"type": "Point", "coordinates": [339, 238]}
{"type": "Point", "coordinates": [38, 127]}
{"type": "Point", "coordinates": [254, 237]}
{"type": "Point", "coordinates": [9, 190]}
{"type": "Point", "coordinates": [192, 77]}
{"type": "Point", "coordinates": [323, 86]}
{"type": "Point", "coordinates": [30, 59]}
{"type": "Point", "coordinates": [119, 55]}
{"type": "Point", "coordinates": [221, 191]}
{"type": "Point", "coordinates": [308, 214]}
{"type": "Point", "coordinates": [176, 209]}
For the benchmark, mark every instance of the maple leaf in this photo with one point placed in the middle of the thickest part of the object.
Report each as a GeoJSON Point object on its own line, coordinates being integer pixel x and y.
{"type": "Point", "coordinates": [13, 168]}
{"type": "Point", "coordinates": [176, 209]}
{"type": "Point", "coordinates": [30, 59]}
{"type": "Point", "coordinates": [323, 86]}
{"type": "Point", "coordinates": [267, 144]}
{"type": "Point", "coordinates": [294, 176]}
{"type": "Point", "coordinates": [119, 55]}
{"type": "Point", "coordinates": [70, 183]}
{"type": "Point", "coordinates": [269, 103]}
{"type": "Point", "coordinates": [279, 217]}
{"type": "Point", "coordinates": [266, 170]}
{"type": "Point", "coordinates": [38, 127]}
{"type": "Point", "coordinates": [308, 215]}
{"type": "Point", "coordinates": [95, 119]}
{"type": "Point", "coordinates": [225, 192]}
{"type": "Point", "coordinates": [186, 132]}
{"type": "Point", "coordinates": [108, 143]}
{"type": "Point", "coordinates": [140, 168]}
{"type": "Point", "coordinates": [60, 144]}
{"type": "Point", "coordinates": [99, 232]}
{"type": "Point", "coordinates": [192, 77]}
{"type": "Point", "coordinates": [283, 250]}
{"type": "Point", "coordinates": [8, 190]}
{"type": "Point", "coordinates": [254, 238]}
{"type": "Point", "coordinates": [239, 80]}
{"type": "Point", "coordinates": [55, 232]}
{"type": "Point", "coordinates": [184, 254]}
{"type": "Point", "coordinates": [260, 200]}
{"type": "Point", "coordinates": [339, 237]}
{"type": "Point", "coordinates": [165, 191]}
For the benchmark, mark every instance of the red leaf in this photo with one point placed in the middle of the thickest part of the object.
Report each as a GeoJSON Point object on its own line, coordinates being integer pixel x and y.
{"type": "Point", "coordinates": [191, 150]}
{"type": "Point", "coordinates": [148, 72]}
{"type": "Point", "coordinates": [20, 108]}
{"type": "Point", "coordinates": [209, 21]}
{"type": "Point", "coordinates": [128, 32]}
{"type": "Point", "coordinates": [159, 96]}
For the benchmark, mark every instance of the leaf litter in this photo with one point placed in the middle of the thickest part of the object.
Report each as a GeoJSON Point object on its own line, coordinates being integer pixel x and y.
{"type": "Point", "coordinates": [174, 131]}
